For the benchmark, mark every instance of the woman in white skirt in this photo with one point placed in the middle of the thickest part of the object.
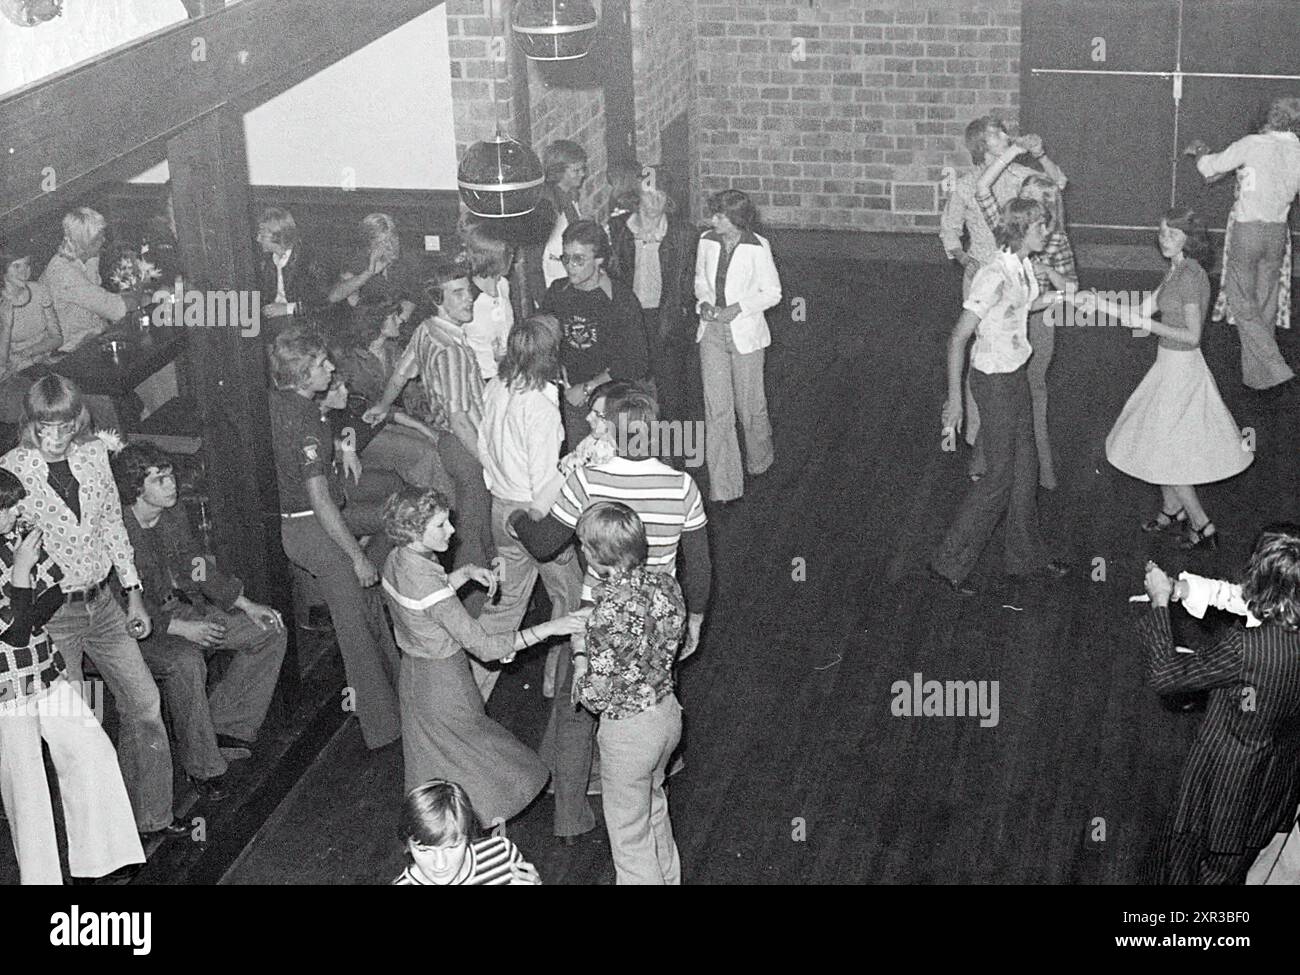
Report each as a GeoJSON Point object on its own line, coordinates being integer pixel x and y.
{"type": "Point", "coordinates": [37, 702]}
{"type": "Point", "coordinates": [1175, 430]}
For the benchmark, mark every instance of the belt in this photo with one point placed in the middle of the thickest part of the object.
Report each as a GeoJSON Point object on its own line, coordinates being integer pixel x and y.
{"type": "Point", "coordinates": [87, 594]}
{"type": "Point", "coordinates": [286, 515]}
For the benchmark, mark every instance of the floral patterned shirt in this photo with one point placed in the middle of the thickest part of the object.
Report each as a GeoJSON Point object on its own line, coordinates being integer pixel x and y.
{"type": "Point", "coordinates": [89, 547]}
{"type": "Point", "coordinates": [633, 636]}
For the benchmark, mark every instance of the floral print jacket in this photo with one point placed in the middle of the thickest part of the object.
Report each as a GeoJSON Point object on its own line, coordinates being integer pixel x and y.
{"type": "Point", "coordinates": [633, 636]}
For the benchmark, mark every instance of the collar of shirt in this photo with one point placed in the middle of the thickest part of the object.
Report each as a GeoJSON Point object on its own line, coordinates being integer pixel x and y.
{"type": "Point", "coordinates": [308, 406]}
{"type": "Point", "coordinates": [445, 332]}
{"type": "Point", "coordinates": [746, 237]}
{"type": "Point", "coordinates": [282, 259]}
{"type": "Point", "coordinates": [1021, 268]}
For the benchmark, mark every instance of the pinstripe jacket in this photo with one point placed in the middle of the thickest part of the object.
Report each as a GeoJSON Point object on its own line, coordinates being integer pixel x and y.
{"type": "Point", "coordinates": [1241, 783]}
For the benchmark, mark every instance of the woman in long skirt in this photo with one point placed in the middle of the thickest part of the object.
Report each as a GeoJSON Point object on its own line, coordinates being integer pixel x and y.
{"type": "Point", "coordinates": [1175, 430]}
{"type": "Point", "coordinates": [445, 731]}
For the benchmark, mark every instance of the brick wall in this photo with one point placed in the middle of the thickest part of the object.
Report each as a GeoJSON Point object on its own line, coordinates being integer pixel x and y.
{"type": "Point", "coordinates": [560, 111]}
{"type": "Point", "coordinates": [663, 56]}
{"type": "Point", "coordinates": [556, 111]}
{"type": "Point", "coordinates": [827, 113]}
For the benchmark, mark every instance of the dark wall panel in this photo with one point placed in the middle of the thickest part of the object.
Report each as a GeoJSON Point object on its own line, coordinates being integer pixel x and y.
{"type": "Point", "coordinates": [1120, 138]}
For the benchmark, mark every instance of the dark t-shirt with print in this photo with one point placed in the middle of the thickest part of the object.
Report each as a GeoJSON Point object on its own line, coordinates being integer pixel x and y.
{"type": "Point", "coordinates": [304, 448]}
{"type": "Point", "coordinates": [599, 332]}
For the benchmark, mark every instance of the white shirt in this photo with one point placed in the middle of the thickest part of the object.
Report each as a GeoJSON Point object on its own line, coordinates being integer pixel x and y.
{"type": "Point", "coordinates": [1202, 593]}
{"type": "Point", "coordinates": [519, 443]}
{"type": "Point", "coordinates": [1268, 177]}
{"type": "Point", "coordinates": [280, 261]}
{"type": "Point", "coordinates": [1000, 295]}
{"type": "Point", "coordinates": [552, 267]}
{"type": "Point", "coordinates": [488, 330]}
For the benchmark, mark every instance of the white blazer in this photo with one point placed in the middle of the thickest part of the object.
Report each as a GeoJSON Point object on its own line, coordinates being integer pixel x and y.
{"type": "Point", "coordinates": [752, 282]}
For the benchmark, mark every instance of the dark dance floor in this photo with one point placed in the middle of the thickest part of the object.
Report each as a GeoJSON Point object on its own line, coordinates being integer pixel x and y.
{"type": "Point", "coordinates": [796, 769]}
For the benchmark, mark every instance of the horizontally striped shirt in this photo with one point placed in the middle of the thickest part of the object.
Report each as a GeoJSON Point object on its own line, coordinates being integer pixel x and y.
{"type": "Point", "coordinates": [487, 864]}
{"type": "Point", "coordinates": [449, 370]}
{"type": "Point", "coordinates": [666, 500]}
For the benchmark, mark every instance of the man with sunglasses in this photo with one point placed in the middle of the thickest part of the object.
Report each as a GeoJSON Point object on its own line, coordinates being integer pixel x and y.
{"type": "Point", "coordinates": [602, 324]}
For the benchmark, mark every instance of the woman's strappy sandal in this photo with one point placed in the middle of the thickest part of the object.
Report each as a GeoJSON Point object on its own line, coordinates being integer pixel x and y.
{"type": "Point", "coordinates": [1205, 537]}
{"type": "Point", "coordinates": [1166, 520]}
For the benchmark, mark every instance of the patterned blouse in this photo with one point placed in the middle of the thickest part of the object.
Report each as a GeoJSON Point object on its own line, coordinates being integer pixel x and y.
{"type": "Point", "coordinates": [633, 636]}
{"type": "Point", "coordinates": [1001, 295]}
{"type": "Point", "coordinates": [30, 663]}
{"type": "Point", "coordinates": [86, 549]}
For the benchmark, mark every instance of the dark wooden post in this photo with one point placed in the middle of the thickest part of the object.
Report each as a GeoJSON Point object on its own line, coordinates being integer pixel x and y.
{"type": "Point", "coordinates": [209, 171]}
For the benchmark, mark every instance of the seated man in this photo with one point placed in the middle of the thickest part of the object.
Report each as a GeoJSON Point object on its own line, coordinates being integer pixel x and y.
{"type": "Point", "coordinates": [197, 611]}
{"type": "Point", "coordinates": [364, 361]}
{"type": "Point", "coordinates": [440, 354]}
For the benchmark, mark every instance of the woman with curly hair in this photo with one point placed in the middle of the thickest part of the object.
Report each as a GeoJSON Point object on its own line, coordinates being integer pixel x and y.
{"type": "Point", "coordinates": [445, 731]}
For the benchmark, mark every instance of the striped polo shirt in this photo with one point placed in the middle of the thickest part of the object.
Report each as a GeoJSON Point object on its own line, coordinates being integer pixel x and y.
{"type": "Point", "coordinates": [487, 864]}
{"type": "Point", "coordinates": [667, 501]}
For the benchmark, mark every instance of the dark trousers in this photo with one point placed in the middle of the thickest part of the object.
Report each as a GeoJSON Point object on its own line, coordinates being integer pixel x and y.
{"type": "Point", "coordinates": [567, 746]}
{"type": "Point", "coordinates": [472, 512]}
{"type": "Point", "coordinates": [670, 358]}
{"type": "Point", "coordinates": [370, 657]}
{"type": "Point", "coordinates": [1010, 487]}
{"type": "Point", "coordinates": [237, 703]}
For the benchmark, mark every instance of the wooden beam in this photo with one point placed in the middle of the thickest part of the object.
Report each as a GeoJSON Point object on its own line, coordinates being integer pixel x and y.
{"type": "Point", "coordinates": [209, 168]}
{"type": "Point", "coordinates": [57, 138]}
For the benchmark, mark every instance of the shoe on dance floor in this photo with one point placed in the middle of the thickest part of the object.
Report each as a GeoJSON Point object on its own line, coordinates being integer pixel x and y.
{"type": "Point", "coordinates": [960, 588]}
{"type": "Point", "coordinates": [1165, 521]}
{"type": "Point", "coordinates": [1205, 537]}
{"type": "Point", "coordinates": [211, 790]}
{"type": "Point", "coordinates": [173, 829]}
{"type": "Point", "coordinates": [233, 749]}
{"type": "Point", "coordinates": [1053, 571]}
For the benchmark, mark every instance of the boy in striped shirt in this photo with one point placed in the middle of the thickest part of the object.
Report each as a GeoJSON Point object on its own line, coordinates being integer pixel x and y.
{"type": "Point", "coordinates": [668, 503]}
{"type": "Point", "coordinates": [438, 826]}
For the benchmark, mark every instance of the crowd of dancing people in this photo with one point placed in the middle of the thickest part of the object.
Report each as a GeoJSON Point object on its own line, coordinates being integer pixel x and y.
{"type": "Point", "coordinates": [447, 432]}
{"type": "Point", "coordinates": [1004, 223]}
